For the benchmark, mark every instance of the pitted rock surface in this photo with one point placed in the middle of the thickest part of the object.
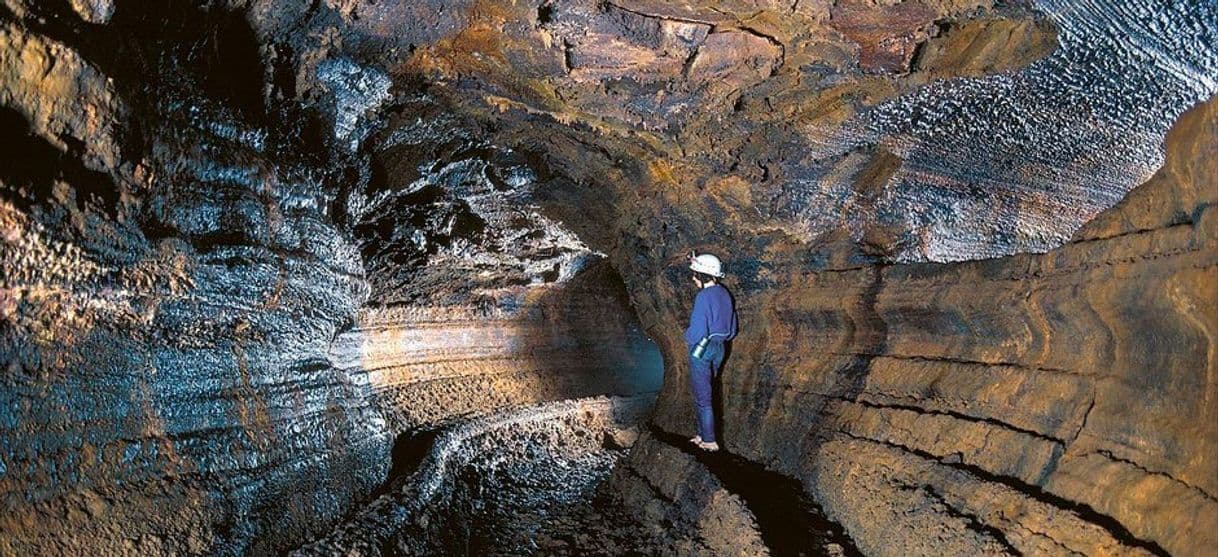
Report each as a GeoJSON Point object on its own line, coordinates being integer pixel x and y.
{"type": "Point", "coordinates": [177, 285]}
{"type": "Point", "coordinates": [248, 246]}
{"type": "Point", "coordinates": [490, 484]}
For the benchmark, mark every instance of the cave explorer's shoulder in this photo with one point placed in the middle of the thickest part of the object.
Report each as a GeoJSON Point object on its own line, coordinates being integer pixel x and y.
{"type": "Point", "coordinates": [715, 294]}
{"type": "Point", "coordinates": [715, 290]}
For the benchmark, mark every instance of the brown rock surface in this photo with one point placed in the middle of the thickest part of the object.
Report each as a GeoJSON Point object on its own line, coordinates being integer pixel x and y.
{"type": "Point", "coordinates": [431, 366]}
{"type": "Point", "coordinates": [250, 247]}
{"type": "Point", "coordinates": [1036, 403]}
{"type": "Point", "coordinates": [886, 35]}
{"type": "Point", "coordinates": [66, 100]}
{"type": "Point", "coordinates": [177, 292]}
{"type": "Point", "coordinates": [668, 486]}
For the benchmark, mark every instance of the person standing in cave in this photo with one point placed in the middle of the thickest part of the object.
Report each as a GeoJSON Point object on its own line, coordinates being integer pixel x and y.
{"type": "Point", "coordinates": [711, 324]}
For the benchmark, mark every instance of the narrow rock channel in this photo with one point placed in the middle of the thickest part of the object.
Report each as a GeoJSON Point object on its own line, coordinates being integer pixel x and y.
{"type": "Point", "coordinates": [788, 521]}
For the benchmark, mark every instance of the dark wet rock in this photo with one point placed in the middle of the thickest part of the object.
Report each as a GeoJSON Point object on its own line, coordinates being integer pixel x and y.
{"type": "Point", "coordinates": [176, 281]}
{"type": "Point", "coordinates": [493, 484]}
{"type": "Point", "coordinates": [258, 255]}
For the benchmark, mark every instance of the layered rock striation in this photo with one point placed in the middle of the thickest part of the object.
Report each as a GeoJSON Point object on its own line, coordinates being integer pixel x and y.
{"type": "Point", "coordinates": [978, 407]}
{"type": "Point", "coordinates": [249, 248]}
{"type": "Point", "coordinates": [171, 286]}
{"type": "Point", "coordinates": [429, 367]}
{"type": "Point", "coordinates": [1037, 404]}
{"type": "Point", "coordinates": [186, 248]}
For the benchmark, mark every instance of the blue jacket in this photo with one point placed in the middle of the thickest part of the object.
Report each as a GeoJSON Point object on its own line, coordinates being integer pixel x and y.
{"type": "Point", "coordinates": [713, 313]}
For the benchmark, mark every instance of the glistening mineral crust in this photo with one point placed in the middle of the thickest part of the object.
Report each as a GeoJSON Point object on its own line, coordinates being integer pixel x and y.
{"type": "Point", "coordinates": [256, 254]}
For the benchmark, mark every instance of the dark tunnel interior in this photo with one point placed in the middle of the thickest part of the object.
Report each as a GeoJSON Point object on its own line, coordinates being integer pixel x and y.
{"type": "Point", "coordinates": [411, 277]}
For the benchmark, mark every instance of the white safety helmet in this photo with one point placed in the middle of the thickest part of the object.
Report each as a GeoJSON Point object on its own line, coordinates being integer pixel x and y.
{"type": "Point", "coordinates": [708, 264]}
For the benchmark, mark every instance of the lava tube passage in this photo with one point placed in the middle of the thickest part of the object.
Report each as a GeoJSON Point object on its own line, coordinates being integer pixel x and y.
{"type": "Point", "coordinates": [608, 277]}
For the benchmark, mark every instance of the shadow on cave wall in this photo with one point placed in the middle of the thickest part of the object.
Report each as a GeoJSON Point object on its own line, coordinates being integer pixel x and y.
{"type": "Point", "coordinates": [174, 57]}
{"type": "Point", "coordinates": [164, 56]}
{"type": "Point", "coordinates": [866, 338]}
{"type": "Point", "coordinates": [602, 352]}
{"type": "Point", "coordinates": [146, 46]}
{"type": "Point", "coordinates": [36, 165]}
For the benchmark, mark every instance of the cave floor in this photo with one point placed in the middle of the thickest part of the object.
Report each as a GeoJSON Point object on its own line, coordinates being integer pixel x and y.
{"type": "Point", "coordinates": [778, 503]}
{"type": "Point", "coordinates": [538, 481]}
{"type": "Point", "coordinates": [498, 484]}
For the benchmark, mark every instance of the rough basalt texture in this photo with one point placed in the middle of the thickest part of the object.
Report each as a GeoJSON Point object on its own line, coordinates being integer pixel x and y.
{"type": "Point", "coordinates": [1034, 404]}
{"type": "Point", "coordinates": [979, 407]}
{"type": "Point", "coordinates": [926, 131]}
{"type": "Point", "coordinates": [683, 501]}
{"type": "Point", "coordinates": [430, 366]}
{"type": "Point", "coordinates": [249, 245]}
{"type": "Point", "coordinates": [534, 459]}
{"type": "Point", "coordinates": [182, 252]}
{"type": "Point", "coordinates": [170, 288]}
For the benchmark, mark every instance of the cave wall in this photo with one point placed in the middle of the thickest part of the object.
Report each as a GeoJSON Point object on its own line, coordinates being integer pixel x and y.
{"type": "Point", "coordinates": [1003, 405]}
{"type": "Point", "coordinates": [1051, 403]}
{"type": "Point", "coordinates": [191, 220]}
{"type": "Point", "coordinates": [243, 239]}
{"type": "Point", "coordinates": [171, 285]}
{"type": "Point", "coordinates": [431, 366]}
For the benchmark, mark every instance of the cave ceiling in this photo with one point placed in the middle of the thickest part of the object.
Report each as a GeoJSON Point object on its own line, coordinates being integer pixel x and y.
{"type": "Point", "coordinates": [917, 131]}
{"type": "Point", "coordinates": [521, 138]}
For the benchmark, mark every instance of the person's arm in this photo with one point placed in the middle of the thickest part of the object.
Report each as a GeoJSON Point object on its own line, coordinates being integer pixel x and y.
{"type": "Point", "coordinates": [734, 327]}
{"type": "Point", "coordinates": [698, 326]}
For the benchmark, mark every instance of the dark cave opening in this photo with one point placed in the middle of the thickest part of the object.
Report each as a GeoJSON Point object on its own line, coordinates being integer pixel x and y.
{"type": "Point", "coordinates": [409, 450]}
{"type": "Point", "coordinates": [577, 328]}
